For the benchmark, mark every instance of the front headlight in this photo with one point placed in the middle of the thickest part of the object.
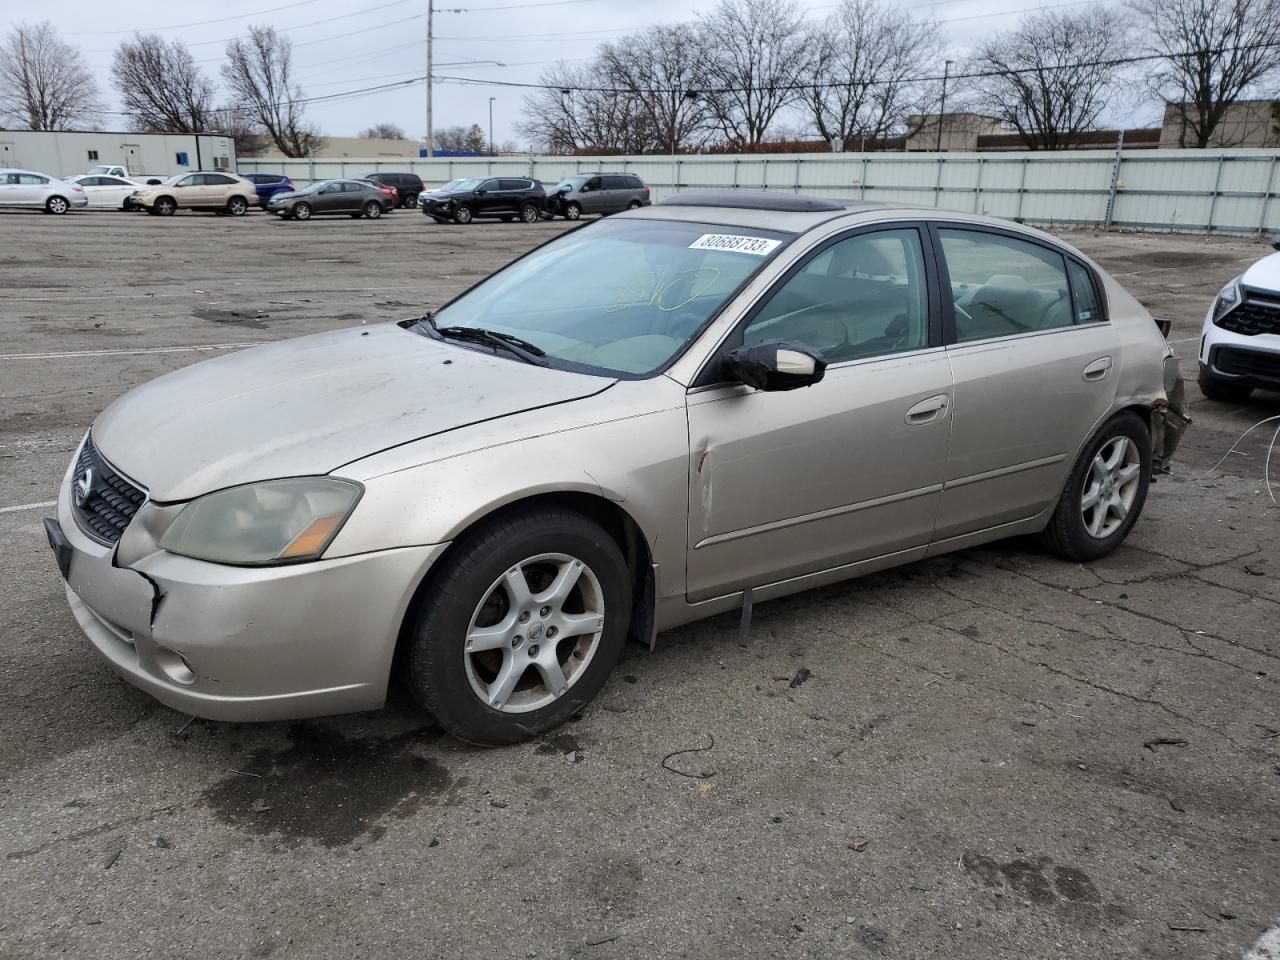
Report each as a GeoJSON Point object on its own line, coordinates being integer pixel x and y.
{"type": "Point", "coordinates": [259, 524]}
{"type": "Point", "coordinates": [1228, 298]}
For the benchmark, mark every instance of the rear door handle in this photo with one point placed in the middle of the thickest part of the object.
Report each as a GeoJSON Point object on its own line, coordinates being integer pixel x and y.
{"type": "Point", "coordinates": [928, 410]}
{"type": "Point", "coordinates": [1097, 370]}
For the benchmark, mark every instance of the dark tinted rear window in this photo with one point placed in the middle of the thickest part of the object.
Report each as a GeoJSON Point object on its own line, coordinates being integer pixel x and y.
{"type": "Point", "coordinates": [635, 183]}
{"type": "Point", "coordinates": [515, 185]}
{"type": "Point", "coordinates": [616, 183]}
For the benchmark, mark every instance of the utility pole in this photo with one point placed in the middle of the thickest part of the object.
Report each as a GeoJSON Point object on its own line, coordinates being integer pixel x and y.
{"type": "Point", "coordinates": [430, 133]}
{"type": "Point", "coordinates": [492, 148]}
{"type": "Point", "coordinates": [942, 110]}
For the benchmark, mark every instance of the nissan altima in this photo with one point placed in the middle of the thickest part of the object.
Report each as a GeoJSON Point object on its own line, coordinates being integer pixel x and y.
{"type": "Point", "coordinates": [678, 411]}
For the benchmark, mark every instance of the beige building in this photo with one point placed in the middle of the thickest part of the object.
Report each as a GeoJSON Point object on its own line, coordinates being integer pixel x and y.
{"type": "Point", "coordinates": [336, 148]}
{"type": "Point", "coordinates": [1247, 123]}
{"type": "Point", "coordinates": [960, 131]}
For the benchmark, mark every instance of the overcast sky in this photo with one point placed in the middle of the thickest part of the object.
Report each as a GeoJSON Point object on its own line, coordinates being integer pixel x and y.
{"type": "Point", "coordinates": [370, 42]}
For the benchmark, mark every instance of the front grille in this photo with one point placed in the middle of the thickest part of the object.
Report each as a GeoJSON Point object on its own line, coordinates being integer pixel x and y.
{"type": "Point", "coordinates": [1246, 363]}
{"type": "Point", "coordinates": [103, 499]}
{"type": "Point", "coordinates": [1253, 316]}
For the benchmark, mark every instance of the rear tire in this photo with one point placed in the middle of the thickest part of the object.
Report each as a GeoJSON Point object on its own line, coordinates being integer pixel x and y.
{"type": "Point", "coordinates": [409, 200]}
{"type": "Point", "coordinates": [237, 206]}
{"type": "Point", "coordinates": [1105, 491]}
{"type": "Point", "coordinates": [484, 574]}
{"type": "Point", "coordinates": [529, 213]}
{"type": "Point", "coordinates": [373, 210]}
{"type": "Point", "coordinates": [1223, 391]}
{"type": "Point", "coordinates": [57, 205]}
{"type": "Point", "coordinates": [633, 205]}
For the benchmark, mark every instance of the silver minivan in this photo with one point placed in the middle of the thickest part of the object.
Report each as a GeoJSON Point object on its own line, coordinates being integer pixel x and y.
{"type": "Point", "coordinates": [600, 193]}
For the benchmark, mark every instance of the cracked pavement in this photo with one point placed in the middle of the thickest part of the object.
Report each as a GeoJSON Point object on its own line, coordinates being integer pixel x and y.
{"type": "Point", "coordinates": [996, 754]}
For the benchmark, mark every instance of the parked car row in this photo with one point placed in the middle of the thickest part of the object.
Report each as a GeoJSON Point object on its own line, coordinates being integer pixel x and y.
{"type": "Point", "coordinates": [459, 201]}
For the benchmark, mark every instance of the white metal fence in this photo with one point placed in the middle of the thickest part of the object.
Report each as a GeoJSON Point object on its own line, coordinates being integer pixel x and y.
{"type": "Point", "coordinates": [1199, 191]}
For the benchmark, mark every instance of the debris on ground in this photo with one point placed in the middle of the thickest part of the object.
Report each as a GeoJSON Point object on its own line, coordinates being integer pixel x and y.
{"type": "Point", "coordinates": [1188, 927]}
{"type": "Point", "coordinates": [110, 859]}
{"type": "Point", "coordinates": [705, 775]}
{"type": "Point", "coordinates": [801, 676]}
{"type": "Point", "coordinates": [1164, 742]}
{"type": "Point", "coordinates": [162, 843]}
{"type": "Point", "coordinates": [858, 843]}
{"type": "Point", "coordinates": [261, 805]}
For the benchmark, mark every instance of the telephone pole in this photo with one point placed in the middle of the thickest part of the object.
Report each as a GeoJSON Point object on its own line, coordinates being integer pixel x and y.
{"type": "Point", "coordinates": [430, 133]}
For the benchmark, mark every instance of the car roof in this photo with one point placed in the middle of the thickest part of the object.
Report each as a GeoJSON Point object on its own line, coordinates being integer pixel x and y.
{"type": "Point", "coordinates": [798, 213]}
{"type": "Point", "coordinates": [38, 173]}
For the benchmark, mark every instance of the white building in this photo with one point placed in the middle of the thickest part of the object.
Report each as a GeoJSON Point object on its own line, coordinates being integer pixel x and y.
{"type": "Point", "coordinates": [65, 153]}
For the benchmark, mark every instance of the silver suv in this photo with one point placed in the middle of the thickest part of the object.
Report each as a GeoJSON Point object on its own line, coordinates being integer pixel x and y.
{"type": "Point", "coordinates": [597, 193]}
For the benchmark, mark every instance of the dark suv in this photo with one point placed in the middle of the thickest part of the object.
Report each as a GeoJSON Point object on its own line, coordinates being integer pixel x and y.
{"type": "Point", "coordinates": [597, 193]}
{"type": "Point", "coordinates": [503, 197]}
{"type": "Point", "coordinates": [409, 185]}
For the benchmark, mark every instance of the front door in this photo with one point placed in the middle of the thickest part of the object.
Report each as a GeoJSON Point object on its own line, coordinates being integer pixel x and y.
{"type": "Point", "coordinates": [1033, 358]}
{"type": "Point", "coordinates": [591, 195]}
{"type": "Point", "coordinates": [785, 484]}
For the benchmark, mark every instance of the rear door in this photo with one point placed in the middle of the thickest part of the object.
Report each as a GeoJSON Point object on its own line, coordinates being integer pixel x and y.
{"type": "Point", "coordinates": [1033, 357]}
{"type": "Point", "coordinates": [616, 194]}
{"type": "Point", "coordinates": [32, 189]}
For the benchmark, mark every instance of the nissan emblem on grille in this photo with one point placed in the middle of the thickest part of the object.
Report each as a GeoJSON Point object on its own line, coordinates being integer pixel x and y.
{"type": "Point", "coordinates": [82, 487]}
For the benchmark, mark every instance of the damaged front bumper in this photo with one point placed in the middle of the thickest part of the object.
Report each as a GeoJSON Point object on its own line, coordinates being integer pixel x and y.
{"type": "Point", "coordinates": [240, 643]}
{"type": "Point", "coordinates": [1169, 419]}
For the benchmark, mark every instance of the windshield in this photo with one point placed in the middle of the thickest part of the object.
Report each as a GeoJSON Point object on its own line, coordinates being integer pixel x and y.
{"type": "Point", "coordinates": [620, 296]}
{"type": "Point", "coordinates": [99, 169]}
{"type": "Point", "coordinates": [572, 183]}
{"type": "Point", "coordinates": [470, 184]}
{"type": "Point", "coordinates": [174, 179]}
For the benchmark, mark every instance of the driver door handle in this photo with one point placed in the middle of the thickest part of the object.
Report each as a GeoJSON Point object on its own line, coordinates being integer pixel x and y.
{"type": "Point", "coordinates": [928, 410]}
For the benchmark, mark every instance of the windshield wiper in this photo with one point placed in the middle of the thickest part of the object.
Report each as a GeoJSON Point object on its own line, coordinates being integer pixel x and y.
{"type": "Point", "coordinates": [516, 346]}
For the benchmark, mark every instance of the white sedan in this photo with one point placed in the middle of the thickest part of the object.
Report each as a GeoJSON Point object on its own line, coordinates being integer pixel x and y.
{"type": "Point", "coordinates": [106, 192]}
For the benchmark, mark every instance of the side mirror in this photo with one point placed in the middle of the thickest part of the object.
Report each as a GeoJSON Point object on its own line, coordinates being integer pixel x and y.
{"type": "Point", "coordinates": [480, 191]}
{"type": "Point", "coordinates": [774, 365]}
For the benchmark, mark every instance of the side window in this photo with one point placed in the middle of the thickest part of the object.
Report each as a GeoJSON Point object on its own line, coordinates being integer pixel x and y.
{"type": "Point", "coordinates": [1084, 295]}
{"type": "Point", "coordinates": [31, 178]}
{"type": "Point", "coordinates": [593, 183]}
{"type": "Point", "coordinates": [1003, 286]}
{"type": "Point", "coordinates": [509, 184]}
{"type": "Point", "coordinates": [217, 180]}
{"type": "Point", "coordinates": [615, 183]}
{"type": "Point", "coordinates": [861, 297]}
{"type": "Point", "coordinates": [11, 179]}
{"type": "Point", "coordinates": [635, 183]}
{"type": "Point", "coordinates": [189, 181]}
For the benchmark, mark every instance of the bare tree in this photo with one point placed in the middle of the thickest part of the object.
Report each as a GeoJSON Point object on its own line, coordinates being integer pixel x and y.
{"type": "Point", "coordinates": [236, 122]}
{"type": "Point", "coordinates": [658, 67]}
{"type": "Point", "coordinates": [580, 111]}
{"type": "Point", "coordinates": [259, 71]}
{"type": "Point", "coordinates": [865, 59]}
{"type": "Point", "coordinates": [44, 82]}
{"type": "Point", "coordinates": [160, 85]}
{"type": "Point", "coordinates": [754, 57]}
{"type": "Point", "coordinates": [384, 131]}
{"type": "Point", "coordinates": [1215, 52]}
{"type": "Point", "coordinates": [1050, 77]}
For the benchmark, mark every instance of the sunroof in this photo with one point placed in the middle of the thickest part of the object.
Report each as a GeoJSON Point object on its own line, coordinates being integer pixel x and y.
{"type": "Point", "coordinates": [753, 200]}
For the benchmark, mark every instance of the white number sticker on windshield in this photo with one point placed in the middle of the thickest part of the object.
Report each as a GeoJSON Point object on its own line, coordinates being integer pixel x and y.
{"type": "Point", "coordinates": [757, 246]}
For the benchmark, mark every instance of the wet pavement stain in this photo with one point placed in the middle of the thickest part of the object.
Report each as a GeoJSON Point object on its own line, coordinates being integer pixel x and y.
{"type": "Point", "coordinates": [1031, 879]}
{"type": "Point", "coordinates": [330, 789]}
{"type": "Point", "coordinates": [558, 743]}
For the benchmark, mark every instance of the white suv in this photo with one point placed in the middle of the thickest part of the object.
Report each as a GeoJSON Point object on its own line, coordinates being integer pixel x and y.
{"type": "Point", "coordinates": [1240, 346]}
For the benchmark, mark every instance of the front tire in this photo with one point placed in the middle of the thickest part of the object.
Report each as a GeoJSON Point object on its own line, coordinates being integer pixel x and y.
{"type": "Point", "coordinates": [165, 206]}
{"type": "Point", "coordinates": [462, 214]}
{"type": "Point", "coordinates": [57, 205]}
{"type": "Point", "coordinates": [302, 211]}
{"type": "Point", "coordinates": [1224, 391]}
{"type": "Point", "coordinates": [573, 211]}
{"type": "Point", "coordinates": [521, 627]}
{"type": "Point", "coordinates": [1105, 491]}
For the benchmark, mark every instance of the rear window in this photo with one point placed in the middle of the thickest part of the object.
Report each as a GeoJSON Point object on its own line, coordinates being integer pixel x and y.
{"type": "Point", "coordinates": [635, 183]}
{"type": "Point", "coordinates": [616, 183]}
{"type": "Point", "coordinates": [514, 185]}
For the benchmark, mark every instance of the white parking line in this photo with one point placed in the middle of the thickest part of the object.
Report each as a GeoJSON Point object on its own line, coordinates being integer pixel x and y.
{"type": "Point", "coordinates": [197, 348]}
{"type": "Point", "coordinates": [1267, 947]}
{"type": "Point", "coordinates": [17, 508]}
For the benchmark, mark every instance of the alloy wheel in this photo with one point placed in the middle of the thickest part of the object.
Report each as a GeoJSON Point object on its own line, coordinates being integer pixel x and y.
{"type": "Point", "coordinates": [58, 205]}
{"type": "Point", "coordinates": [534, 633]}
{"type": "Point", "coordinates": [1111, 487]}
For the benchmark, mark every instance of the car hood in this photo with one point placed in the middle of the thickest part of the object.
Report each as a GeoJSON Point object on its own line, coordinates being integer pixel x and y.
{"type": "Point", "coordinates": [310, 405]}
{"type": "Point", "coordinates": [288, 194]}
{"type": "Point", "coordinates": [1264, 275]}
{"type": "Point", "coordinates": [446, 194]}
